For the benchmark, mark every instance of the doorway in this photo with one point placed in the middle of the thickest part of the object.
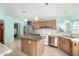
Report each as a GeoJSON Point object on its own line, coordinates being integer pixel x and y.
{"type": "Point", "coordinates": [1, 31]}
{"type": "Point", "coordinates": [16, 30]}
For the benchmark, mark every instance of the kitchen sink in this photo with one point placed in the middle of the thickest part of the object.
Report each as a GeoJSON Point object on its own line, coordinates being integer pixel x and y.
{"type": "Point", "coordinates": [69, 36]}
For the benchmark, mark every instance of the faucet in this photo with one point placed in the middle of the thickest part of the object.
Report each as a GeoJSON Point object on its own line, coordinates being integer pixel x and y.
{"type": "Point", "coordinates": [70, 34]}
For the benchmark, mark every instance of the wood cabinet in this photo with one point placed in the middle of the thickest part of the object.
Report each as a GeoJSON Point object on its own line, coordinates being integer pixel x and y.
{"type": "Point", "coordinates": [53, 24]}
{"type": "Point", "coordinates": [66, 45]}
{"type": "Point", "coordinates": [75, 49]}
{"type": "Point", "coordinates": [45, 24]}
{"type": "Point", "coordinates": [32, 47]}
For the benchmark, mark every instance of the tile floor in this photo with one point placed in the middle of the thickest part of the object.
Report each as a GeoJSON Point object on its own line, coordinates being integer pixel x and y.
{"type": "Point", "coordinates": [48, 51]}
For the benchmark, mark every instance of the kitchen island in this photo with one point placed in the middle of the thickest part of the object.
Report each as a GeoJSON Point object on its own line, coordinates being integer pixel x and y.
{"type": "Point", "coordinates": [32, 45]}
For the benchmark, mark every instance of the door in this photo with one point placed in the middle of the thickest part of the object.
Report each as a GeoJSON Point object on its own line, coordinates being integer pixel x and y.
{"type": "Point", "coordinates": [15, 30]}
{"type": "Point", "coordinates": [68, 46]}
{"type": "Point", "coordinates": [61, 42]}
{"type": "Point", "coordinates": [1, 31]}
{"type": "Point", "coordinates": [75, 49]}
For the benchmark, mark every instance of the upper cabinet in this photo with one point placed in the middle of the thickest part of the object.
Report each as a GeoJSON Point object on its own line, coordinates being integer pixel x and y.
{"type": "Point", "coordinates": [45, 24]}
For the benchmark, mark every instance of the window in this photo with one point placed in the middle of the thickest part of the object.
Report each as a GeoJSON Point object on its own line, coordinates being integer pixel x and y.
{"type": "Point", "coordinates": [62, 27]}
{"type": "Point", "coordinates": [75, 27]}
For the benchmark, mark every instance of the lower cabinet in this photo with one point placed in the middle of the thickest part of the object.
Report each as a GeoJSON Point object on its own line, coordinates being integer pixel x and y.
{"type": "Point", "coordinates": [65, 44]}
{"type": "Point", "coordinates": [75, 49]}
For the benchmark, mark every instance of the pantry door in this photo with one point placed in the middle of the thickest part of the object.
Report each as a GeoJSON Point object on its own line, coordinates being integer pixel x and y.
{"type": "Point", "coordinates": [1, 31]}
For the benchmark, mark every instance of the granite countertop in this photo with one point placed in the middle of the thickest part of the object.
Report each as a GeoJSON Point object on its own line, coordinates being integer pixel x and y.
{"type": "Point", "coordinates": [32, 37]}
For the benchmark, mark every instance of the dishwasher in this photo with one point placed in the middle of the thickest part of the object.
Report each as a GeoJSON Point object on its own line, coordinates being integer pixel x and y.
{"type": "Point", "coordinates": [53, 41]}
{"type": "Point", "coordinates": [45, 38]}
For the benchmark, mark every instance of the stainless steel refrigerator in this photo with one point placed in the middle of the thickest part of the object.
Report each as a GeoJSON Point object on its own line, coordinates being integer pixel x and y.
{"type": "Point", "coordinates": [27, 30]}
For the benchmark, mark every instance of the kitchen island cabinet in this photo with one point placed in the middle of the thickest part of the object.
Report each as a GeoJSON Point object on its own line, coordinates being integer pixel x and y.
{"type": "Point", "coordinates": [32, 45]}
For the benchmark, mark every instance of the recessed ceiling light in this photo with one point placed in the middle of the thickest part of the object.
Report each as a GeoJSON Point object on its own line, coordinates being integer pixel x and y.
{"type": "Point", "coordinates": [46, 3]}
{"type": "Point", "coordinates": [23, 11]}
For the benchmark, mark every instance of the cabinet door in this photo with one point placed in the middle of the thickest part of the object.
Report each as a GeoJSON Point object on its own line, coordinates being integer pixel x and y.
{"type": "Point", "coordinates": [29, 47]}
{"type": "Point", "coordinates": [53, 24]}
{"type": "Point", "coordinates": [68, 46]}
{"type": "Point", "coordinates": [26, 46]}
{"type": "Point", "coordinates": [40, 47]}
{"type": "Point", "coordinates": [75, 49]}
{"type": "Point", "coordinates": [61, 43]}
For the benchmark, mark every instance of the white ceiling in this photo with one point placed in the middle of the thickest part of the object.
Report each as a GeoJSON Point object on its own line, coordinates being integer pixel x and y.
{"type": "Point", "coordinates": [40, 10]}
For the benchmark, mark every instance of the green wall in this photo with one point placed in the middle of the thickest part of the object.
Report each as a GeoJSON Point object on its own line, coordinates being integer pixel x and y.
{"type": "Point", "coordinates": [72, 17]}
{"type": "Point", "coordinates": [9, 27]}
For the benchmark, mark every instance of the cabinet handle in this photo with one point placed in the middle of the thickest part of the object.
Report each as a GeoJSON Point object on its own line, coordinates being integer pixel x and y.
{"type": "Point", "coordinates": [74, 44]}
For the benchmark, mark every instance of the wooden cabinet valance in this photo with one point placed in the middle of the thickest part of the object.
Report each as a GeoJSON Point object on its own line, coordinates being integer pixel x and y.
{"type": "Point", "coordinates": [45, 24]}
